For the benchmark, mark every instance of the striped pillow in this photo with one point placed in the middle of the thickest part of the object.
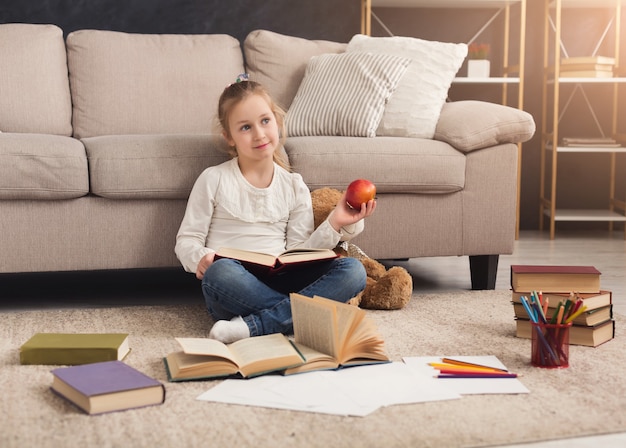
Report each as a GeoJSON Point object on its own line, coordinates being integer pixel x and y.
{"type": "Point", "coordinates": [344, 94]}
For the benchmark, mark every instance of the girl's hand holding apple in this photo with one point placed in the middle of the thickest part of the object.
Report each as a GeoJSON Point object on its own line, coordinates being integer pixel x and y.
{"type": "Point", "coordinates": [356, 203]}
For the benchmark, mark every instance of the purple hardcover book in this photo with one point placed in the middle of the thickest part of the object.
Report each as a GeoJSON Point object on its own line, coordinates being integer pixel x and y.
{"type": "Point", "coordinates": [107, 386]}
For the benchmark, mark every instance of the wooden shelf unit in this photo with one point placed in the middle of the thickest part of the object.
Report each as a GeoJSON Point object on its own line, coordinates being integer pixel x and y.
{"type": "Point", "coordinates": [552, 108]}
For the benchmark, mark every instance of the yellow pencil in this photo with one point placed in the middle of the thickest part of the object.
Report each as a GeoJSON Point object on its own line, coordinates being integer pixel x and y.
{"type": "Point", "coordinates": [578, 312]}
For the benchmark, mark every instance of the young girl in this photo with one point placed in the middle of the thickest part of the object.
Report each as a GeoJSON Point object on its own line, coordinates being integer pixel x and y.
{"type": "Point", "coordinates": [254, 202]}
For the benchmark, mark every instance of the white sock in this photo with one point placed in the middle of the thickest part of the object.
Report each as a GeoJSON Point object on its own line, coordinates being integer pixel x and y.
{"type": "Point", "coordinates": [228, 331]}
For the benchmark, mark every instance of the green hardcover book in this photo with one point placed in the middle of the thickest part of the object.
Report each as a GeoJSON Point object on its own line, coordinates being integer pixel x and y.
{"type": "Point", "coordinates": [74, 348]}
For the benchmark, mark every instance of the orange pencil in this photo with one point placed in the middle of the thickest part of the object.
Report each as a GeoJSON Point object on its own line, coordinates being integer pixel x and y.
{"type": "Point", "coordinates": [470, 364]}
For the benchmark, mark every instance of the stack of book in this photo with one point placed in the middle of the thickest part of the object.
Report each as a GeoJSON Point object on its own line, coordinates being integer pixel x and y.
{"type": "Point", "coordinates": [555, 285]}
{"type": "Point", "coordinates": [588, 67]}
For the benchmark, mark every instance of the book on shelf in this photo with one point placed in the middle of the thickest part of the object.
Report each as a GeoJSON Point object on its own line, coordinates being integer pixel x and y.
{"type": "Point", "coordinates": [601, 142]}
{"type": "Point", "coordinates": [590, 336]}
{"type": "Point", "coordinates": [591, 301]}
{"type": "Point", "coordinates": [74, 348]}
{"type": "Point", "coordinates": [553, 278]}
{"type": "Point", "coordinates": [108, 386]}
{"type": "Point", "coordinates": [588, 318]}
{"type": "Point", "coordinates": [267, 263]}
{"type": "Point", "coordinates": [587, 66]}
{"type": "Point", "coordinates": [604, 60]}
{"type": "Point", "coordinates": [332, 334]}
{"type": "Point", "coordinates": [204, 358]}
{"type": "Point", "coordinates": [586, 74]}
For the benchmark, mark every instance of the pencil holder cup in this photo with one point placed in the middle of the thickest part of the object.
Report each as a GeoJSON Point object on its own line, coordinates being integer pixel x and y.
{"type": "Point", "coordinates": [550, 345]}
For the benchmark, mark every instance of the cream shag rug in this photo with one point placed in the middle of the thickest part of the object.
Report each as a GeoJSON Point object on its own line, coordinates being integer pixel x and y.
{"type": "Point", "coordinates": [587, 398]}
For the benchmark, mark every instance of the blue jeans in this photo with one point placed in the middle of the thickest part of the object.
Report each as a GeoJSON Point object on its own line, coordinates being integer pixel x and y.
{"type": "Point", "coordinates": [231, 290]}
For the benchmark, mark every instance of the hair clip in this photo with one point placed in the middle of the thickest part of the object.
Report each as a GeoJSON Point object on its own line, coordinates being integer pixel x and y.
{"type": "Point", "coordinates": [242, 77]}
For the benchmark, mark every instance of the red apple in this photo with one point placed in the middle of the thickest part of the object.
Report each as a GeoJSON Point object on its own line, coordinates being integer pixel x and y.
{"type": "Point", "coordinates": [359, 192]}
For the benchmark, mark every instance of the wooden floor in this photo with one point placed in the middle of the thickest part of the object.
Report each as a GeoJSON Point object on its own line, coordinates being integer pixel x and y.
{"type": "Point", "coordinates": [606, 251]}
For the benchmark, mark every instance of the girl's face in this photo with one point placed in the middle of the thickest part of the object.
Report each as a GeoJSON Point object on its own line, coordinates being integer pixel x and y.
{"type": "Point", "coordinates": [253, 129]}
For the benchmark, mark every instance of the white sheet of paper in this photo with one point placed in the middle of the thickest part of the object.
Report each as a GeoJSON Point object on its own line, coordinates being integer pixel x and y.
{"type": "Point", "coordinates": [294, 392]}
{"type": "Point", "coordinates": [389, 384]}
{"type": "Point", "coordinates": [470, 386]}
{"type": "Point", "coordinates": [354, 391]}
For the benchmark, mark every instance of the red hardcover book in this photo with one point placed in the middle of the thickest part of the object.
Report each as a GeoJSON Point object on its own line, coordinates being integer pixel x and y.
{"type": "Point", "coordinates": [555, 279]}
{"type": "Point", "coordinates": [267, 264]}
{"type": "Point", "coordinates": [107, 387]}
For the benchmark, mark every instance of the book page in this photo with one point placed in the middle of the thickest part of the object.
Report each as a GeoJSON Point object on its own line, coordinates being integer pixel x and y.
{"type": "Point", "coordinates": [348, 319]}
{"type": "Point", "coordinates": [206, 347]}
{"type": "Point", "coordinates": [263, 349]}
{"type": "Point", "coordinates": [246, 255]}
{"type": "Point", "coordinates": [315, 324]}
{"type": "Point", "coordinates": [365, 344]}
{"type": "Point", "coordinates": [303, 254]}
{"type": "Point", "coordinates": [182, 366]}
{"type": "Point", "coordinates": [313, 360]}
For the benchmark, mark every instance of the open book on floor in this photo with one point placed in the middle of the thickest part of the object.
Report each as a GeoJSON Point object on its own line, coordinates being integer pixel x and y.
{"type": "Point", "coordinates": [267, 263]}
{"type": "Point", "coordinates": [204, 358]}
{"type": "Point", "coordinates": [331, 334]}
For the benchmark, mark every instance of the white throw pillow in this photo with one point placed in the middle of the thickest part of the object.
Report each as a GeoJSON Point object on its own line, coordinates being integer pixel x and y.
{"type": "Point", "coordinates": [414, 108]}
{"type": "Point", "coordinates": [344, 94]}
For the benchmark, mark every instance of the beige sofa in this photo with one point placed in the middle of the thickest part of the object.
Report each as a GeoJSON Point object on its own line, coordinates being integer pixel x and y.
{"type": "Point", "coordinates": [102, 135]}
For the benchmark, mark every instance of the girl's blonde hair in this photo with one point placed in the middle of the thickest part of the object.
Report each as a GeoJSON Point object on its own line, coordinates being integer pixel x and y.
{"type": "Point", "coordinates": [237, 92]}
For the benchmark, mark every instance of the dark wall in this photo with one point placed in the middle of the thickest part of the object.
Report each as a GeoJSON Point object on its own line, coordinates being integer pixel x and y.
{"type": "Point", "coordinates": [320, 19]}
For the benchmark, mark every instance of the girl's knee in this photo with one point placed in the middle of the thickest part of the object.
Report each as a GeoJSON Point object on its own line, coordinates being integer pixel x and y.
{"type": "Point", "coordinates": [222, 270]}
{"type": "Point", "coordinates": [354, 266]}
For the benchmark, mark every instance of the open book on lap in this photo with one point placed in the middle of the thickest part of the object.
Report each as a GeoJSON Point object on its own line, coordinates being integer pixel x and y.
{"type": "Point", "coordinates": [267, 263]}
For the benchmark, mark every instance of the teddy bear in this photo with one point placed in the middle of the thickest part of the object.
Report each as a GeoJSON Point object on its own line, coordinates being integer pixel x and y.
{"type": "Point", "coordinates": [385, 289]}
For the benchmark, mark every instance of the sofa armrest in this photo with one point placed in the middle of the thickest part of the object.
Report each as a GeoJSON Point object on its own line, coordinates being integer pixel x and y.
{"type": "Point", "coordinates": [470, 125]}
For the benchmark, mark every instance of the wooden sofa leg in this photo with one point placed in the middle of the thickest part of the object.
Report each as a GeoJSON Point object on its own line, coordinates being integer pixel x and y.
{"type": "Point", "coordinates": [483, 270]}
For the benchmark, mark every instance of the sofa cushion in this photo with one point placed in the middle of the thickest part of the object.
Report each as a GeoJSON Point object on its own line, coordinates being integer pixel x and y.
{"type": "Point", "coordinates": [469, 125]}
{"type": "Point", "coordinates": [413, 110]}
{"type": "Point", "coordinates": [39, 166]}
{"type": "Point", "coordinates": [150, 166]}
{"type": "Point", "coordinates": [126, 83]}
{"type": "Point", "coordinates": [394, 164]}
{"type": "Point", "coordinates": [278, 62]}
{"type": "Point", "coordinates": [344, 94]}
{"type": "Point", "coordinates": [33, 80]}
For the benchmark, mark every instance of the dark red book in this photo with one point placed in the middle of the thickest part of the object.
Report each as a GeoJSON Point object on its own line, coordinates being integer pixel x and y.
{"type": "Point", "coordinates": [262, 263]}
{"type": "Point", "coordinates": [106, 387]}
{"type": "Point", "coordinates": [555, 279]}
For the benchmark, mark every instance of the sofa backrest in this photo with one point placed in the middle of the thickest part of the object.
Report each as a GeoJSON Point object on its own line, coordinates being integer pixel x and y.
{"type": "Point", "coordinates": [123, 83]}
{"type": "Point", "coordinates": [278, 62]}
{"type": "Point", "coordinates": [34, 86]}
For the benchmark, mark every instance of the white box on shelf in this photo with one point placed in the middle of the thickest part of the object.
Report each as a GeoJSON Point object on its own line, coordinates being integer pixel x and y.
{"type": "Point", "coordinates": [478, 68]}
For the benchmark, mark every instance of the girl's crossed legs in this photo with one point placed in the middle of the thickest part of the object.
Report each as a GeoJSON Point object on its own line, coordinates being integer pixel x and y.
{"type": "Point", "coordinates": [230, 291]}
